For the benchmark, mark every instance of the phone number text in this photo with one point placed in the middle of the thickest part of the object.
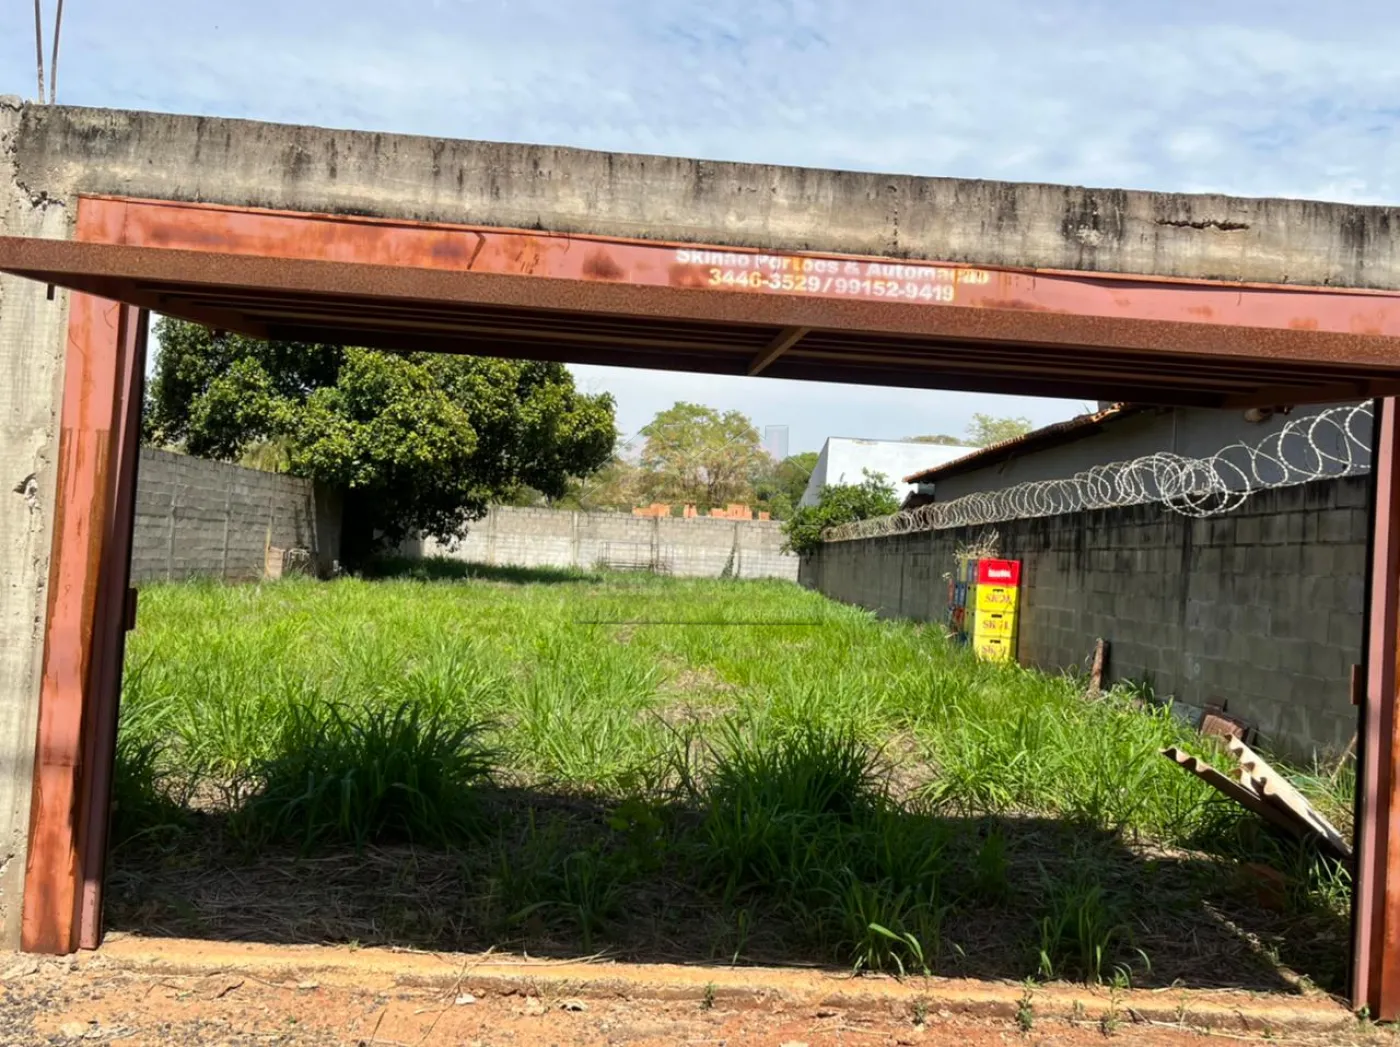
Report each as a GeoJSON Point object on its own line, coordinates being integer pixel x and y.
{"type": "Point", "coordinates": [815, 283]}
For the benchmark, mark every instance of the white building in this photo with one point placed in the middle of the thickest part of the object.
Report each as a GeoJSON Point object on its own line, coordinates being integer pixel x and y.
{"type": "Point", "coordinates": [844, 461]}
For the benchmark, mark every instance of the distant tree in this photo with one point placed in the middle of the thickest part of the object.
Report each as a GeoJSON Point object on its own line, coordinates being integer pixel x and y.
{"type": "Point", "coordinates": [840, 503]}
{"type": "Point", "coordinates": [417, 442]}
{"type": "Point", "coordinates": [700, 455]}
{"type": "Point", "coordinates": [941, 439]}
{"type": "Point", "coordinates": [779, 486]}
{"type": "Point", "coordinates": [617, 485]}
{"type": "Point", "coordinates": [985, 429]}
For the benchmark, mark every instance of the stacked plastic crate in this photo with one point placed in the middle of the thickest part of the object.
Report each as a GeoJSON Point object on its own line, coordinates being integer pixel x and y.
{"type": "Point", "coordinates": [962, 601]}
{"type": "Point", "coordinates": [997, 605]}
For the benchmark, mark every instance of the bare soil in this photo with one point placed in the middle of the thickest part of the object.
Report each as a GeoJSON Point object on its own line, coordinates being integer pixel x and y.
{"type": "Point", "coordinates": [455, 900]}
{"type": "Point", "coordinates": [139, 991]}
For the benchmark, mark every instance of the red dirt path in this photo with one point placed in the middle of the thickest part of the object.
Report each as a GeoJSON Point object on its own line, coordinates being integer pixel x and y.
{"type": "Point", "coordinates": [143, 991]}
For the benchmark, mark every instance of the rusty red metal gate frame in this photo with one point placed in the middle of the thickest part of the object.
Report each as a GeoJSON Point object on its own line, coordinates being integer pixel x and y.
{"type": "Point", "coordinates": [1376, 898]}
{"type": "Point", "coordinates": [88, 571]}
{"type": "Point", "coordinates": [398, 284]}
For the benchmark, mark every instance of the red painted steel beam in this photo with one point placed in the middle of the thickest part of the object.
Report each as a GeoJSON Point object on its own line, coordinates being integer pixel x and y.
{"type": "Point", "coordinates": [1376, 900]}
{"type": "Point", "coordinates": [78, 654]}
{"type": "Point", "coordinates": [450, 248]}
{"type": "Point", "coordinates": [781, 343]}
{"type": "Point", "coordinates": [1165, 345]}
{"type": "Point", "coordinates": [115, 596]}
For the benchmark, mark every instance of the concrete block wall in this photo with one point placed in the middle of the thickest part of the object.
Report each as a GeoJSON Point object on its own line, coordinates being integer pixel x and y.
{"type": "Point", "coordinates": [1259, 610]}
{"type": "Point", "coordinates": [200, 518]}
{"type": "Point", "coordinates": [696, 547]}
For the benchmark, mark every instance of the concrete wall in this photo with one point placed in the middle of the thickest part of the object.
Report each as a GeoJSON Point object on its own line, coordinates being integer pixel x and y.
{"type": "Point", "coordinates": [699, 547]}
{"type": "Point", "coordinates": [31, 380]}
{"type": "Point", "coordinates": [196, 517]}
{"type": "Point", "coordinates": [60, 150]}
{"type": "Point", "coordinates": [1194, 432]}
{"type": "Point", "coordinates": [1259, 611]}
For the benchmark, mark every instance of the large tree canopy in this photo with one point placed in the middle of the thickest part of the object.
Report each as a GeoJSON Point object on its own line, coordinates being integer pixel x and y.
{"type": "Point", "coordinates": [985, 430]}
{"type": "Point", "coordinates": [417, 442]}
{"type": "Point", "coordinates": [696, 454]}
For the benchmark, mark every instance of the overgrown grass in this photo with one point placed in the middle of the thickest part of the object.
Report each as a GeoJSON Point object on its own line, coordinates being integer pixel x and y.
{"type": "Point", "coordinates": [740, 770]}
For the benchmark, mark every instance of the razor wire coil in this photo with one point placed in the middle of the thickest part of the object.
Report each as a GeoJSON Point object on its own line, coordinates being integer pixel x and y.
{"type": "Point", "coordinates": [1333, 443]}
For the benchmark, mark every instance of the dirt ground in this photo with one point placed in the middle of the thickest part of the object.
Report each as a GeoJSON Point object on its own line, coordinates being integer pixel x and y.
{"type": "Point", "coordinates": [144, 991]}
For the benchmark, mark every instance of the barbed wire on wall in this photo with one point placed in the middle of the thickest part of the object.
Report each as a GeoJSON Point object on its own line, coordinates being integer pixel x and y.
{"type": "Point", "coordinates": [1333, 443]}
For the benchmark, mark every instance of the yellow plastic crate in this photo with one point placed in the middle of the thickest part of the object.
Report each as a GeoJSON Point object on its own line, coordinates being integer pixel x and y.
{"type": "Point", "coordinates": [993, 649]}
{"type": "Point", "coordinates": [996, 623]}
{"type": "Point", "coordinates": [1000, 598]}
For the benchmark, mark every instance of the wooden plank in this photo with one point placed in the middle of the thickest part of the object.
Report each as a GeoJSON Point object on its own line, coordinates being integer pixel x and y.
{"type": "Point", "coordinates": [1232, 789]}
{"type": "Point", "coordinates": [1256, 774]}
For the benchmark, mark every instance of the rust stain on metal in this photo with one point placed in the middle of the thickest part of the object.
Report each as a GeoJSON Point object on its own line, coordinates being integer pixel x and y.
{"type": "Point", "coordinates": [1018, 304]}
{"type": "Point", "coordinates": [684, 276]}
{"type": "Point", "coordinates": [599, 265]}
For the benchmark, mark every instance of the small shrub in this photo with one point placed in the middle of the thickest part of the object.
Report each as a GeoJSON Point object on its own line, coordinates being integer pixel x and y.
{"type": "Point", "coordinates": [990, 882]}
{"type": "Point", "coordinates": [1084, 930]}
{"type": "Point", "coordinates": [889, 929]}
{"type": "Point", "coordinates": [777, 804]}
{"type": "Point", "coordinates": [143, 805]}
{"type": "Point", "coordinates": [839, 504]}
{"type": "Point", "coordinates": [371, 775]}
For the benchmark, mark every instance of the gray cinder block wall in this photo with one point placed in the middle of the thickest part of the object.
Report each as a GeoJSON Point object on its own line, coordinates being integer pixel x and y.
{"type": "Point", "coordinates": [1259, 611]}
{"type": "Point", "coordinates": [698, 547]}
{"type": "Point", "coordinates": [200, 518]}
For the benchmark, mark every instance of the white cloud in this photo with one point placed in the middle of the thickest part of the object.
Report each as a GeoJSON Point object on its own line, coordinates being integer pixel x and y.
{"type": "Point", "coordinates": [1252, 98]}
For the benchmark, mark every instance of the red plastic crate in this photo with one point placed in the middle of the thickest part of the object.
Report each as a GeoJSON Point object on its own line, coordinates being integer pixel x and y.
{"type": "Point", "coordinates": [1006, 573]}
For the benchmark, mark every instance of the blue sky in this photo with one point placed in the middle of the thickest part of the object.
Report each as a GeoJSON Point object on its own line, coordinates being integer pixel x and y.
{"type": "Point", "coordinates": [1247, 97]}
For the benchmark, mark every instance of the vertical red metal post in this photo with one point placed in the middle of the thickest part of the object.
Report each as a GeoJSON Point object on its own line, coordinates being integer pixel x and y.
{"type": "Point", "coordinates": [109, 640]}
{"type": "Point", "coordinates": [1376, 915]}
{"type": "Point", "coordinates": [78, 640]}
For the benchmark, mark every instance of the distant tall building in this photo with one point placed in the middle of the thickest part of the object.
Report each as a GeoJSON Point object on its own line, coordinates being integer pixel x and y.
{"type": "Point", "coordinates": [775, 441]}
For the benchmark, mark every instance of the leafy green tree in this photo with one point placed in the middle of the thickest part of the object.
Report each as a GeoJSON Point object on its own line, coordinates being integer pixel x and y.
{"type": "Point", "coordinates": [617, 485]}
{"type": "Point", "coordinates": [696, 454]}
{"type": "Point", "coordinates": [840, 503]}
{"type": "Point", "coordinates": [416, 442]}
{"type": "Point", "coordinates": [985, 429]}
{"type": "Point", "coordinates": [779, 486]}
{"type": "Point", "coordinates": [941, 439]}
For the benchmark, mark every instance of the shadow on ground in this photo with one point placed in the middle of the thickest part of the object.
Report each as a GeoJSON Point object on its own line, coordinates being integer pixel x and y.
{"type": "Point", "coordinates": [440, 569]}
{"type": "Point", "coordinates": [560, 876]}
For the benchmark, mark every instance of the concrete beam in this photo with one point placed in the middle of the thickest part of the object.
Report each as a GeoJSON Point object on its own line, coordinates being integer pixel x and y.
{"type": "Point", "coordinates": [60, 150]}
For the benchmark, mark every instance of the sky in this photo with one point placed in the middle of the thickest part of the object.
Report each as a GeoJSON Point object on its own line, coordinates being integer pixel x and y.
{"type": "Point", "coordinates": [1249, 97]}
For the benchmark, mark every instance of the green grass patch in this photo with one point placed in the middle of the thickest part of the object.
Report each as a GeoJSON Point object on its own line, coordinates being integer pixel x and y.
{"type": "Point", "coordinates": [455, 756]}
